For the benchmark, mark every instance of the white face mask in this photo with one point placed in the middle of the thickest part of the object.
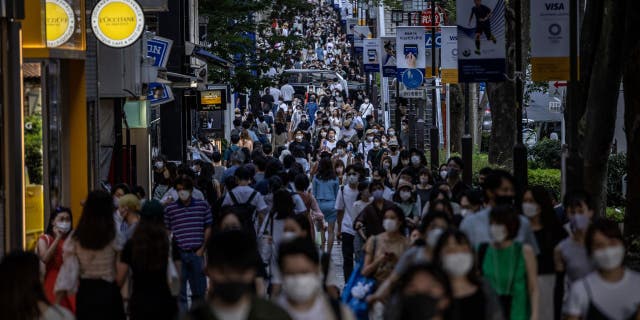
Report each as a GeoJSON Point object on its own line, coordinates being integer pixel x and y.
{"type": "Point", "coordinates": [352, 179]}
{"type": "Point", "coordinates": [369, 138]}
{"type": "Point", "coordinates": [299, 137]}
{"type": "Point", "coordinates": [609, 258]}
{"type": "Point", "coordinates": [390, 225]}
{"type": "Point", "coordinates": [498, 232]}
{"type": "Point", "coordinates": [433, 236]}
{"type": "Point", "coordinates": [184, 195]}
{"type": "Point", "coordinates": [302, 287]}
{"type": "Point", "coordinates": [115, 201]}
{"type": "Point", "coordinates": [530, 209]}
{"type": "Point", "coordinates": [289, 235]}
{"type": "Point", "coordinates": [465, 212]}
{"type": "Point", "coordinates": [415, 160]}
{"type": "Point", "coordinates": [457, 264]}
{"type": "Point", "coordinates": [63, 226]}
{"type": "Point", "coordinates": [443, 174]}
{"type": "Point", "coordinates": [159, 165]}
{"type": "Point", "coordinates": [405, 195]}
{"type": "Point", "coordinates": [376, 144]}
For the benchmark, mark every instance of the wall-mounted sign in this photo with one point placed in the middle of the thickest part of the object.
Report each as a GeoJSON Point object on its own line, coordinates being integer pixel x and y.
{"type": "Point", "coordinates": [60, 22]}
{"type": "Point", "coordinates": [210, 100]}
{"type": "Point", "coordinates": [117, 23]}
{"type": "Point", "coordinates": [159, 48]}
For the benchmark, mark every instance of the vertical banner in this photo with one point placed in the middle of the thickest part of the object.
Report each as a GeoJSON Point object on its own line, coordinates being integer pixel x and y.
{"type": "Point", "coordinates": [371, 55]}
{"type": "Point", "coordinates": [550, 40]}
{"type": "Point", "coordinates": [481, 32]}
{"type": "Point", "coordinates": [360, 33]}
{"type": "Point", "coordinates": [388, 57]}
{"type": "Point", "coordinates": [410, 54]}
{"type": "Point", "coordinates": [428, 42]}
{"type": "Point", "coordinates": [352, 23]}
{"type": "Point", "coordinates": [449, 55]}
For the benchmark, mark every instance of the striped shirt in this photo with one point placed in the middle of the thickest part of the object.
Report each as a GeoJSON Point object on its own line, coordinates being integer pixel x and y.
{"type": "Point", "coordinates": [188, 223]}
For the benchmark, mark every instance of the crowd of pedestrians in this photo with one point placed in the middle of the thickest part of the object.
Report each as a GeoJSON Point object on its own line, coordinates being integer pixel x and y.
{"type": "Point", "coordinates": [253, 233]}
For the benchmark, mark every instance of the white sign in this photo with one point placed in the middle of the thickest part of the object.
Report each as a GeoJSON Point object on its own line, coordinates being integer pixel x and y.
{"type": "Point", "coordinates": [371, 55]}
{"type": "Point", "coordinates": [117, 23]}
{"type": "Point", "coordinates": [449, 55]}
{"type": "Point", "coordinates": [410, 53]}
{"type": "Point", "coordinates": [550, 40]}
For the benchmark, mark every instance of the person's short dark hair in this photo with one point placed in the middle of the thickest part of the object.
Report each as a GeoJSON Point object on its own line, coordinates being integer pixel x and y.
{"type": "Point", "coordinates": [298, 246]}
{"type": "Point", "coordinates": [260, 162]}
{"type": "Point", "coordinates": [267, 148]}
{"type": "Point", "coordinates": [363, 185]}
{"type": "Point", "coordinates": [457, 160]}
{"type": "Point", "coordinates": [375, 184]}
{"type": "Point", "coordinates": [429, 218]}
{"type": "Point", "coordinates": [301, 182]}
{"type": "Point", "coordinates": [122, 186]}
{"type": "Point", "coordinates": [242, 173]}
{"type": "Point", "coordinates": [575, 198]}
{"type": "Point", "coordinates": [485, 171]}
{"type": "Point", "coordinates": [235, 138]}
{"type": "Point", "coordinates": [288, 161]}
{"type": "Point", "coordinates": [185, 181]}
{"type": "Point", "coordinates": [607, 227]}
{"type": "Point", "coordinates": [233, 250]}
{"type": "Point", "coordinates": [230, 182]}
{"type": "Point", "coordinates": [216, 156]}
{"type": "Point", "coordinates": [507, 216]}
{"type": "Point", "coordinates": [436, 272]}
{"type": "Point", "coordinates": [246, 124]}
{"type": "Point", "coordinates": [237, 122]}
{"type": "Point", "coordinates": [357, 168]}
{"type": "Point", "coordinates": [494, 180]}
{"type": "Point", "coordinates": [473, 196]}
{"type": "Point", "coordinates": [139, 191]}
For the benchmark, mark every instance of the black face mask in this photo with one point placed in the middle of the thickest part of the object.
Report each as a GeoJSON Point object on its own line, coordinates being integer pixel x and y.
{"type": "Point", "coordinates": [230, 292]}
{"type": "Point", "coordinates": [504, 200]}
{"type": "Point", "coordinates": [453, 173]}
{"type": "Point", "coordinates": [418, 307]}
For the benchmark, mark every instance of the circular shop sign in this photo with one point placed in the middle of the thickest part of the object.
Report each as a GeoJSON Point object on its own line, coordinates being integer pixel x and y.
{"type": "Point", "coordinates": [60, 22]}
{"type": "Point", "coordinates": [117, 23]}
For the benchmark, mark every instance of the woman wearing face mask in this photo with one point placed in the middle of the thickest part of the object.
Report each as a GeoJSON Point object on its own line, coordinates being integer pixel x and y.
{"type": "Point", "coordinates": [320, 138]}
{"type": "Point", "coordinates": [424, 293]}
{"type": "Point", "coordinates": [473, 298]}
{"type": "Point", "coordinates": [325, 190]}
{"type": "Point", "coordinates": [510, 267]}
{"type": "Point", "coordinates": [537, 207]}
{"type": "Point", "coordinates": [407, 200]}
{"type": "Point", "coordinates": [417, 160]}
{"type": "Point", "coordinates": [330, 142]}
{"type": "Point", "coordinates": [49, 251]}
{"type": "Point", "coordinates": [339, 166]}
{"type": "Point", "coordinates": [610, 292]}
{"type": "Point", "coordinates": [423, 189]}
{"type": "Point", "coordinates": [443, 172]}
{"type": "Point", "coordinates": [403, 163]}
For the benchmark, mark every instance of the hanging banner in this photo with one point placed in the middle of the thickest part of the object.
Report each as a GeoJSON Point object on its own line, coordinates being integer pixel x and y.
{"type": "Point", "coordinates": [360, 33]}
{"type": "Point", "coordinates": [117, 23]}
{"type": "Point", "coordinates": [371, 55]}
{"type": "Point", "coordinates": [60, 22]}
{"type": "Point", "coordinates": [481, 31]}
{"type": "Point", "coordinates": [159, 48]}
{"type": "Point", "coordinates": [410, 55]}
{"type": "Point", "coordinates": [449, 55]}
{"type": "Point", "coordinates": [352, 23]}
{"type": "Point", "coordinates": [550, 40]}
{"type": "Point", "coordinates": [389, 57]}
{"type": "Point", "coordinates": [428, 42]}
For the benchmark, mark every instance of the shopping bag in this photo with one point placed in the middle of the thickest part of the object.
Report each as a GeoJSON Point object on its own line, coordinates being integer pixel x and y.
{"type": "Point", "coordinates": [356, 291]}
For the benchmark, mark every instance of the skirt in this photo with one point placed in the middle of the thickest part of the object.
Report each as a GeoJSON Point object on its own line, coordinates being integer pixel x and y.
{"type": "Point", "coordinates": [99, 300]}
{"type": "Point", "coordinates": [328, 210]}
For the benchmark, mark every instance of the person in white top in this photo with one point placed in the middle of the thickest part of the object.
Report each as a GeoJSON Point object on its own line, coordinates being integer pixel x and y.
{"type": "Point", "coordinates": [366, 108]}
{"type": "Point", "coordinates": [287, 92]}
{"type": "Point", "coordinates": [275, 93]}
{"type": "Point", "coordinates": [347, 195]}
{"type": "Point", "coordinates": [303, 296]}
{"type": "Point", "coordinates": [610, 292]}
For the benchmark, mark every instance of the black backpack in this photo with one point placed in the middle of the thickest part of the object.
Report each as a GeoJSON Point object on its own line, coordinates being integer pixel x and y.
{"type": "Point", "coordinates": [244, 211]}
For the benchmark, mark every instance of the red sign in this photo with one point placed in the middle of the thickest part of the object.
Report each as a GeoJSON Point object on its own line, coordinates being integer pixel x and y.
{"type": "Point", "coordinates": [426, 18]}
{"type": "Point", "coordinates": [559, 84]}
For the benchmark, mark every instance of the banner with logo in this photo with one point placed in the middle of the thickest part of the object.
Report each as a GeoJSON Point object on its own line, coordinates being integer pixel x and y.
{"type": "Point", "coordinates": [388, 60]}
{"type": "Point", "coordinates": [352, 23]}
{"type": "Point", "coordinates": [60, 22]}
{"type": "Point", "coordinates": [117, 23]}
{"type": "Point", "coordinates": [449, 55]}
{"type": "Point", "coordinates": [360, 33]}
{"type": "Point", "coordinates": [410, 52]}
{"type": "Point", "coordinates": [550, 40]}
{"type": "Point", "coordinates": [428, 42]}
{"type": "Point", "coordinates": [481, 43]}
{"type": "Point", "coordinates": [371, 55]}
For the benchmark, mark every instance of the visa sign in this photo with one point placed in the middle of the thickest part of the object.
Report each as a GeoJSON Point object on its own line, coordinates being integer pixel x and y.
{"type": "Point", "coordinates": [554, 6]}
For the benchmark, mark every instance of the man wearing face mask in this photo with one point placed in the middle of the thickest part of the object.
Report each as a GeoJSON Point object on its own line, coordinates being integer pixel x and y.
{"type": "Point", "coordinates": [454, 172]}
{"type": "Point", "coordinates": [372, 215]}
{"type": "Point", "coordinates": [499, 189]}
{"type": "Point", "coordinates": [189, 220]}
{"type": "Point", "coordinates": [303, 296]}
{"type": "Point", "coordinates": [347, 195]}
{"type": "Point", "coordinates": [231, 267]}
{"type": "Point", "coordinates": [366, 145]}
{"type": "Point", "coordinates": [366, 108]}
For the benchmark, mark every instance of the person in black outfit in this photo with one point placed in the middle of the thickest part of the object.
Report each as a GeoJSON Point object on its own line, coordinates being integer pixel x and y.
{"type": "Point", "coordinates": [483, 23]}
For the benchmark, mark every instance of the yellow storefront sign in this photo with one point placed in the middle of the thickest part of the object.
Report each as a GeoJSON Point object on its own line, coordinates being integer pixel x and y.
{"type": "Point", "coordinates": [117, 23]}
{"type": "Point", "coordinates": [60, 22]}
{"type": "Point", "coordinates": [211, 97]}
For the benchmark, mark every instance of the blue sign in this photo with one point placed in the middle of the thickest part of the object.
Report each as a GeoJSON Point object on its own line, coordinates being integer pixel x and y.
{"type": "Point", "coordinates": [427, 40]}
{"type": "Point", "coordinates": [159, 48]}
{"type": "Point", "coordinates": [159, 93]}
{"type": "Point", "coordinates": [412, 78]}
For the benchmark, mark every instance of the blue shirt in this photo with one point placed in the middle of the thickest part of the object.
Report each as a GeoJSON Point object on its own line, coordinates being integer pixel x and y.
{"type": "Point", "coordinates": [476, 227]}
{"type": "Point", "coordinates": [188, 223]}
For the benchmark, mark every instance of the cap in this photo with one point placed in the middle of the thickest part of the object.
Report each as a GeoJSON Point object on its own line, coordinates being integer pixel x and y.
{"type": "Point", "coordinates": [370, 131]}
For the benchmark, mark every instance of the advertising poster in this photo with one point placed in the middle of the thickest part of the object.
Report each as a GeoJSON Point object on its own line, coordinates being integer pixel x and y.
{"type": "Point", "coordinates": [360, 33]}
{"type": "Point", "coordinates": [352, 23]}
{"type": "Point", "coordinates": [481, 43]}
{"type": "Point", "coordinates": [428, 51]}
{"type": "Point", "coordinates": [410, 55]}
{"type": "Point", "coordinates": [550, 40]}
{"type": "Point", "coordinates": [388, 57]}
{"type": "Point", "coordinates": [371, 55]}
{"type": "Point", "coordinates": [449, 55]}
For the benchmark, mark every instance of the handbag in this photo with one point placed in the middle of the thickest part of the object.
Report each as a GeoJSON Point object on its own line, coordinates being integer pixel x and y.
{"type": "Point", "coordinates": [357, 289]}
{"type": "Point", "coordinates": [69, 275]}
{"type": "Point", "coordinates": [265, 240]}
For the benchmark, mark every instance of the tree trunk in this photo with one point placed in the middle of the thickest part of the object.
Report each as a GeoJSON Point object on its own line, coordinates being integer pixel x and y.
{"type": "Point", "coordinates": [456, 105]}
{"type": "Point", "coordinates": [601, 103]}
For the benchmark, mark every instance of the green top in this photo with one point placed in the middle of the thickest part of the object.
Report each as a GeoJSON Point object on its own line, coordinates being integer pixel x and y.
{"type": "Point", "coordinates": [506, 271]}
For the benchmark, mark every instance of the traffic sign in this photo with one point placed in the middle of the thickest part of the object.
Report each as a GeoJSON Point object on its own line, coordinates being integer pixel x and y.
{"type": "Point", "coordinates": [559, 84]}
{"type": "Point", "coordinates": [412, 78]}
{"type": "Point", "coordinates": [426, 18]}
{"type": "Point", "coordinates": [427, 37]}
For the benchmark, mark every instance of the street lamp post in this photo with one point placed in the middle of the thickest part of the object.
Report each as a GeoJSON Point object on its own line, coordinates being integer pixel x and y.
{"type": "Point", "coordinates": [433, 132]}
{"type": "Point", "coordinates": [519, 150]}
{"type": "Point", "coordinates": [396, 17]}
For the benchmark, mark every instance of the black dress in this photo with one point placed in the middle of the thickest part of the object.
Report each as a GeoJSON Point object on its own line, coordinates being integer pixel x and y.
{"type": "Point", "coordinates": [150, 297]}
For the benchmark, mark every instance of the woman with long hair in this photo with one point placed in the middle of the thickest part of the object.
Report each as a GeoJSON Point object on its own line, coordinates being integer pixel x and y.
{"type": "Point", "coordinates": [21, 293]}
{"type": "Point", "coordinates": [245, 140]}
{"type": "Point", "coordinates": [325, 190]}
{"type": "Point", "coordinates": [280, 137]}
{"type": "Point", "coordinates": [49, 251]}
{"type": "Point", "coordinates": [146, 255]}
{"type": "Point", "coordinates": [407, 200]}
{"type": "Point", "coordinates": [93, 245]}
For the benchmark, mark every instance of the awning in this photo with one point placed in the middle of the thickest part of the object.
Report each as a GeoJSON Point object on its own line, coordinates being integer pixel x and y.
{"type": "Point", "coordinates": [202, 53]}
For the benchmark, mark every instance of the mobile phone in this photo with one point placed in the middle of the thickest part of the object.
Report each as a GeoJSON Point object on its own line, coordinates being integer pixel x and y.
{"type": "Point", "coordinates": [411, 48]}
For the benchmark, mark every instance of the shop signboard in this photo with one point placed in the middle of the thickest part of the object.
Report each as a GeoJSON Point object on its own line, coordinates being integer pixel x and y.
{"type": "Point", "coordinates": [159, 93]}
{"type": "Point", "coordinates": [449, 55]}
{"type": "Point", "coordinates": [550, 40]}
{"type": "Point", "coordinates": [60, 22]}
{"type": "Point", "coordinates": [117, 23]}
{"type": "Point", "coordinates": [371, 55]}
{"type": "Point", "coordinates": [212, 99]}
{"type": "Point", "coordinates": [159, 48]}
{"type": "Point", "coordinates": [481, 40]}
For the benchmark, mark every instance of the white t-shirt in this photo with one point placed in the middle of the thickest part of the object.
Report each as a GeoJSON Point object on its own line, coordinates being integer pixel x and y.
{"type": "Point", "coordinates": [366, 109]}
{"type": "Point", "coordinates": [343, 203]}
{"type": "Point", "coordinates": [287, 92]}
{"type": "Point", "coordinates": [242, 194]}
{"type": "Point", "coordinates": [618, 301]}
{"type": "Point", "coordinates": [321, 309]}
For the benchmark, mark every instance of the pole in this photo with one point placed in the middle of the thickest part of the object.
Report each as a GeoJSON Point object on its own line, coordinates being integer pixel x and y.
{"type": "Point", "coordinates": [433, 132]}
{"type": "Point", "coordinates": [519, 150]}
{"type": "Point", "coordinates": [448, 121]}
{"type": "Point", "coordinates": [398, 113]}
{"type": "Point", "coordinates": [467, 143]}
{"type": "Point", "coordinates": [573, 162]}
